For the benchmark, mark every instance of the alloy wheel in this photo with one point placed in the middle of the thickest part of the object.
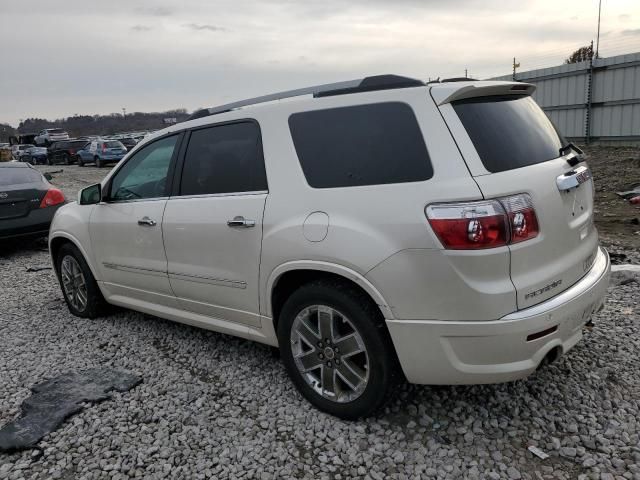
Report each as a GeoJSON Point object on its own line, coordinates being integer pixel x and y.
{"type": "Point", "coordinates": [74, 283]}
{"type": "Point", "coordinates": [330, 353]}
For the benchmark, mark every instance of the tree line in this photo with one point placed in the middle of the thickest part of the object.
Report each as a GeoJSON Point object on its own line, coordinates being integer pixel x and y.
{"type": "Point", "coordinates": [81, 125]}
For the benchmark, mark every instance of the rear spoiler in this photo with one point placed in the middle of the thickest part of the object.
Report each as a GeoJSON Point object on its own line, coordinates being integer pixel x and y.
{"type": "Point", "coordinates": [447, 93]}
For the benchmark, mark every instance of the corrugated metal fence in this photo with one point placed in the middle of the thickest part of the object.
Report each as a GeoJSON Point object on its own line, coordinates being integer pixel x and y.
{"type": "Point", "coordinates": [597, 103]}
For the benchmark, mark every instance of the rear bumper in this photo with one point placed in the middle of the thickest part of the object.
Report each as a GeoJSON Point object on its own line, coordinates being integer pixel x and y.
{"type": "Point", "coordinates": [449, 353]}
{"type": "Point", "coordinates": [36, 223]}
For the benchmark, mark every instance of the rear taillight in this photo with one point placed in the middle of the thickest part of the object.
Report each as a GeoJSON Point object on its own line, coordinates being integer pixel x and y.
{"type": "Point", "coordinates": [523, 222]}
{"type": "Point", "coordinates": [474, 225]}
{"type": "Point", "coordinates": [483, 224]}
{"type": "Point", "coordinates": [52, 197]}
{"type": "Point", "coordinates": [104, 147]}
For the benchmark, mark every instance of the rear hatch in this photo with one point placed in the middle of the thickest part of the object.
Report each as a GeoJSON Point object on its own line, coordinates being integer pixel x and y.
{"type": "Point", "coordinates": [511, 147]}
{"type": "Point", "coordinates": [113, 148]}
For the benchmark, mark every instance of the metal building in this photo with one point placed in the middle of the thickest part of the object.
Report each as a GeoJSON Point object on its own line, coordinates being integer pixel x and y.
{"type": "Point", "coordinates": [591, 103]}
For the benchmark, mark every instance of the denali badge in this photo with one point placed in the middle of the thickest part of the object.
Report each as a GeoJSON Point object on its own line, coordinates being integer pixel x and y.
{"type": "Point", "coordinates": [542, 290]}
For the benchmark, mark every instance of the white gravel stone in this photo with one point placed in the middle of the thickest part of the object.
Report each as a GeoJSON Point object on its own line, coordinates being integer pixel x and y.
{"type": "Point", "coordinates": [214, 406]}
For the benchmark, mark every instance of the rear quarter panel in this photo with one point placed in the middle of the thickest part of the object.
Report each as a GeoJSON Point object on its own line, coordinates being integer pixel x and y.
{"type": "Point", "coordinates": [367, 224]}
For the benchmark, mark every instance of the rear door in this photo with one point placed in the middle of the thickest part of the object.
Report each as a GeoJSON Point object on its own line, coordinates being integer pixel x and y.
{"type": "Point", "coordinates": [213, 224]}
{"type": "Point", "coordinates": [511, 147]}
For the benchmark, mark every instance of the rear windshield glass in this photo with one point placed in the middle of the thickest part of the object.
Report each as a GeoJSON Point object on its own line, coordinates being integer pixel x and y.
{"type": "Point", "coordinates": [55, 130]}
{"type": "Point", "coordinates": [360, 145]}
{"type": "Point", "coordinates": [509, 132]}
{"type": "Point", "coordinates": [113, 144]}
{"type": "Point", "coordinates": [16, 176]}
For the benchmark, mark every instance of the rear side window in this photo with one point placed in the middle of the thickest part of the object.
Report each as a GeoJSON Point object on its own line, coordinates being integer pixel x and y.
{"type": "Point", "coordinates": [360, 145]}
{"type": "Point", "coordinates": [224, 159]}
{"type": "Point", "coordinates": [509, 132]}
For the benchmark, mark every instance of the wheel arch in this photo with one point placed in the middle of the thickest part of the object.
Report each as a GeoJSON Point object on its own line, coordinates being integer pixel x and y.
{"type": "Point", "coordinates": [284, 279]}
{"type": "Point", "coordinates": [59, 239]}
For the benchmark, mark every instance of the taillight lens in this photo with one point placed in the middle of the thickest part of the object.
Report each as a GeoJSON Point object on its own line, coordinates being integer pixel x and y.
{"type": "Point", "coordinates": [484, 224]}
{"type": "Point", "coordinates": [469, 226]}
{"type": "Point", "coordinates": [52, 197]}
{"type": "Point", "coordinates": [104, 147]}
{"type": "Point", "coordinates": [523, 222]}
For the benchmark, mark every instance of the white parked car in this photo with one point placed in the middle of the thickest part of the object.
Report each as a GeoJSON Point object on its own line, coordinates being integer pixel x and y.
{"type": "Point", "coordinates": [49, 135]}
{"type": "Point", "coordinates": [373, 230]}
{"type": "Point", "coordinates": [18, 151]}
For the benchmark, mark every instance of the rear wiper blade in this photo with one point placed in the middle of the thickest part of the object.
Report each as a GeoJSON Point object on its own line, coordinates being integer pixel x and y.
{"type": "Point", "coordinates": [573, 161]}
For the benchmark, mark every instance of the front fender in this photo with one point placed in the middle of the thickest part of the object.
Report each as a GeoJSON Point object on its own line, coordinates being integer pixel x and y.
{"type": "Point", "coordinates": [71, 222]}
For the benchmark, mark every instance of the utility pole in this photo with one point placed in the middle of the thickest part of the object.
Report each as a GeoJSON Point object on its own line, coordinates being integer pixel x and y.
{"type": "Point", "coordinates": [515, 65]}
{"type": "Point", "coordinates": [598, 36]}
{"type": "Point", "coordinates": [465, 73]}
{"type": "Point", "coordinates": [124, 113]}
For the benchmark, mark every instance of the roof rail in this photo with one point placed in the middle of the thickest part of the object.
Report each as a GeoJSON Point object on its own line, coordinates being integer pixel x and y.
{"type": "Point", "coordinates": [367, 84]}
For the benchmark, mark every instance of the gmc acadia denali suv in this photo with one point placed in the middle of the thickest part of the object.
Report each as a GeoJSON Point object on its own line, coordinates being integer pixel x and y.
{"type": "Point", "coordinates": [371, 229]}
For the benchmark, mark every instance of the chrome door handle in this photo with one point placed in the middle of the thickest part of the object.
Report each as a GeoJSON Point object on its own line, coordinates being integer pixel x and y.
{"type": "Point", "coordinates": [241, 222]}
{"type": "Point", "coordinates": [147, 222]}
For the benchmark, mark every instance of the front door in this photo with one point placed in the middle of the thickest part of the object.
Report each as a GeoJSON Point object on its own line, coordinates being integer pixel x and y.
{"type": "Point", "coordinates": [213, 226]}
{"type": "Point", "coordinates": [126, 228]}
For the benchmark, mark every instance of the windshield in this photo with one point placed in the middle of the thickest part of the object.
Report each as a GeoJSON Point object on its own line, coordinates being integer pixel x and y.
{"type": "Point", "coordinates": [509, 131]}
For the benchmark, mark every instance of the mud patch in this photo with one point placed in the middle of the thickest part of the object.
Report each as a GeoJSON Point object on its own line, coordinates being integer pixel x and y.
{"type": "Point", "coordinates": [56, 399]}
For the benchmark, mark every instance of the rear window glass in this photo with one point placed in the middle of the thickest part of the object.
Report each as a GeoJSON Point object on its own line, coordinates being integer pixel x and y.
{"type": "Point", "coordinates": [509, 132]}
{"type": "Point", "coordinates": [16, 176]}
{"type": "Point", "coordinates": [360, 145]}
{"type": "Point", "coordinates": [55, 130]}
{"type": "Point", "coordinates": [113, 144]}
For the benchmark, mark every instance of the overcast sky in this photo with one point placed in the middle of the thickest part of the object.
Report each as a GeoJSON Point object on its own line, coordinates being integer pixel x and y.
{"type": "Point", "coordinates": [61, 58]}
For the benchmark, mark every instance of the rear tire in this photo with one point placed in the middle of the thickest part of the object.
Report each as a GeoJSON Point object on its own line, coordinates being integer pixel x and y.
{"type": "Point", "coordinates": [351, 373]}
{"type": "Point", "coordinates": [99, 163]}
{"type": "Point", "coordinates": [66, 159]}
{"type": "Point", "coordinates": [80, 162]}
{"type": "Point", "coordinates": [49, 162]}
{"type": "Point", "coordinates": [79, 287]}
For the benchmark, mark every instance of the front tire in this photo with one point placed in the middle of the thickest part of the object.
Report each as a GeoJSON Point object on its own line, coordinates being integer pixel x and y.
{"type": "Point", "coordinates": [66, 159]}
{"type": "Point", "coordinates": [336, 349]}
{"type": "Point", "coordinates": [78, 284]}
{"type": "Point", "coordinates": [99, 163]}
{"type": "Point", "coordinates": [80, 162]}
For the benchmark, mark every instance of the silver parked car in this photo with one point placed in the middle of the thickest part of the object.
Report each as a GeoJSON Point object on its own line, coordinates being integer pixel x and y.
{"type": "Point", "coordinates": [374, 230]}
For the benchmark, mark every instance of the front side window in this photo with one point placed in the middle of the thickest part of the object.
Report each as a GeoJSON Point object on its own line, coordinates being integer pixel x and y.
{"type": "Point", "coordinates": [359, 145]}
{"type": "Point", "coordinates": [145, 173]}
{"type": "Point", "coordinates": [224, 159]}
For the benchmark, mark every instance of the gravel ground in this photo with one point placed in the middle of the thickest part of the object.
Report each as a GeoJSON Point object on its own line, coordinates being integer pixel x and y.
{"type": "Point", "coordinates": [214, 406]}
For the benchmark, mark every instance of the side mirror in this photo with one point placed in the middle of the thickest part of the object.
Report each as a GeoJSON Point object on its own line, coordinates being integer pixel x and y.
{"type": "Point", "coordinates": [48, 176]}
{"type": "Point", "coordinates": [90, 195]}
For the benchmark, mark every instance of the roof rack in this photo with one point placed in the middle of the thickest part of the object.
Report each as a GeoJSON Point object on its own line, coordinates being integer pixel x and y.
{"type": "Point", "coordinates": [367, 84]}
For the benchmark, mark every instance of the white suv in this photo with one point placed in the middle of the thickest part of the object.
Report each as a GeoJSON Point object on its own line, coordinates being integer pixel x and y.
{"type": "Point", "coordinates": [49, 135]}
{"type": "Point", "coordinates": [370, 229]}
